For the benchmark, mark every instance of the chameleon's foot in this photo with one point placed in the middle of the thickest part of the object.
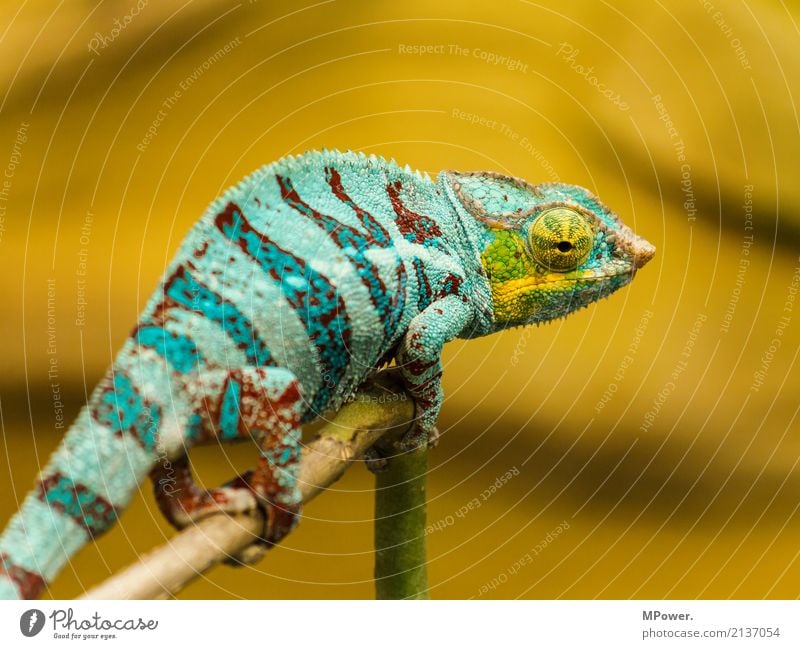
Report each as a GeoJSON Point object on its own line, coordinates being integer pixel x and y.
{"type": "Point", "coordinates": [250, 403]}
{"type": "Point", "coordinates": [375, 460]}
{"type": "Point", "coordinates": [279, 499]}
{"type": "Point", "coordinates": [281, 514]}
{"type": "Point", "coordinates": [433, 437]}
{"type": "Point", "coordinates": [183, 503]}
{"type": "Point", "coordinates": [419, 436]}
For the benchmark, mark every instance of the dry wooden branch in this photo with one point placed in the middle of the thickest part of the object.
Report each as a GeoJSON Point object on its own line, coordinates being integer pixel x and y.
{"type": "Point", "coordinates": [380, 408]}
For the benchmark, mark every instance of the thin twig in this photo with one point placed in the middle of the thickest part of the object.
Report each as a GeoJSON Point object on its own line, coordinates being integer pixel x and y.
{"type": "Point", "coordinates": [379, 408]}
{"type": "Point", "coordinates": [400, 556]}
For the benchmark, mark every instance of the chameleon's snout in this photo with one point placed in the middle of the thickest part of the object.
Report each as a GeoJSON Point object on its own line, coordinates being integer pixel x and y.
{"type": "Point", "coordinates": [639, 250]}
{"type": "Point", "coordinates": [643, 251]}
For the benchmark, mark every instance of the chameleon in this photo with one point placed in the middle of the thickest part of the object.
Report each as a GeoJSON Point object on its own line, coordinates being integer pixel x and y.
{"type": "Point", "coordinates": [295, 286]}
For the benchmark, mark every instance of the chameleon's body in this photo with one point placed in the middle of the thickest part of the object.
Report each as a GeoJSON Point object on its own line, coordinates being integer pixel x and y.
{"type": "Point", "coordinates": [289, 292]}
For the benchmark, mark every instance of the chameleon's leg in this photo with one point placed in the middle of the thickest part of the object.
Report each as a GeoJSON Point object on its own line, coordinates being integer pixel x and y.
{"type": "Point", "coordinates": [87, 482]}
{"type": "Point", "coordinates": [263, 404]}
{"type": "Point", "coordinates": [182, 501]}
{"type": "Point", "coordinates": [418, 358]}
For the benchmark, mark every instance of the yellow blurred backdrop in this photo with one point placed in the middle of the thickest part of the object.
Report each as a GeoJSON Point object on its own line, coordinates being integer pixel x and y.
{"type": "Point", "coordinates": [652, 440]}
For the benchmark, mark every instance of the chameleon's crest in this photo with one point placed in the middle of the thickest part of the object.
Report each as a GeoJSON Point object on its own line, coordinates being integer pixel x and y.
{"type": "Point", "coordinates": [496, 200]}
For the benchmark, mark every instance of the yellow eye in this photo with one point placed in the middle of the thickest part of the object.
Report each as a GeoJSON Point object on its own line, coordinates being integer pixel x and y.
{"type": "Point", "coordinates": [561, 239]}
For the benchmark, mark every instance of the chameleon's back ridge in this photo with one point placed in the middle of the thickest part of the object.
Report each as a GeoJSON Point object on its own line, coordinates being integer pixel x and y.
{"type": "Point", "coordinates": [292, 289]}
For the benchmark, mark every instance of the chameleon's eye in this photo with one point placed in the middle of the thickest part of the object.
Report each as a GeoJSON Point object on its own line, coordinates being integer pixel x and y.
{"type": "Point", "coordinates": [561, 239]}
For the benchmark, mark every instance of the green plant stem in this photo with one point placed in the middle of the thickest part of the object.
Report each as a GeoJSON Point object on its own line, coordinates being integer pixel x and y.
{"type": "Point", "coordinates": [400, 554]}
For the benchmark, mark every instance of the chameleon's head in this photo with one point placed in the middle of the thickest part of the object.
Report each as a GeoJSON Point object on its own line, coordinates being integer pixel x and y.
{"type": "Point", "coordinates": [548, 249]}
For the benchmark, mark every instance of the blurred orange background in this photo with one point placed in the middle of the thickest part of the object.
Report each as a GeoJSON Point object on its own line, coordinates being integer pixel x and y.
{"type": "Point", "coordinates": [660, 425]}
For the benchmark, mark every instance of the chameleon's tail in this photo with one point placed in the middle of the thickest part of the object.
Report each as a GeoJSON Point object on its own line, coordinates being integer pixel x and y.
{"type": "Point", "coordinates": [91, 476]}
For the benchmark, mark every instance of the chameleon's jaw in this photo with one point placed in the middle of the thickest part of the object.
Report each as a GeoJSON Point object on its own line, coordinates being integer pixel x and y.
{"type": "Point", "coordinates": [532, 300]}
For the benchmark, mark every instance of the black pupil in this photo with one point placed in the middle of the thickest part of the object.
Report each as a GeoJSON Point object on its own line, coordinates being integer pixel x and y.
{"type": "Point", "coordinates": [564, 246]}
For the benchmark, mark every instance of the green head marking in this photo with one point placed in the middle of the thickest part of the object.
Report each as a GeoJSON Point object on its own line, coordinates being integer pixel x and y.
{"type": "Point", "coordinates": [548, 249]}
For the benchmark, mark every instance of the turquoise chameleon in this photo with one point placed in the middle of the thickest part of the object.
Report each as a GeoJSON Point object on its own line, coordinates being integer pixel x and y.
{"type": "Point", "coordinates": [293, 288]}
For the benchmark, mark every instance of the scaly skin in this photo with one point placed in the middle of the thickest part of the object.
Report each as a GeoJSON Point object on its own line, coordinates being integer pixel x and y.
{"type": "Point", "coordinates": [293, 288]}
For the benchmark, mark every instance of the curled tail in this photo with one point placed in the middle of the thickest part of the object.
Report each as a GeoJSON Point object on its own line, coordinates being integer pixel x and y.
{"type": "Point", "coordinates": [89, 479]}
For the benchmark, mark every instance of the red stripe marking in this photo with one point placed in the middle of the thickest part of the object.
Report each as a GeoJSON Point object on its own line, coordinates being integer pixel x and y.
{"type": "Point", "coordinates": [30, 584]}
